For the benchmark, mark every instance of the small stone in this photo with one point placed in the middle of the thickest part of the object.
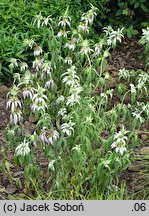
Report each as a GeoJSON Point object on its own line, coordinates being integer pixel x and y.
{"type": "Point", "coordinates": [28, 128]}
{"type": "Point", "coordinates": [3, 90]}
{"type": "Point", "coordinates": [11, 165]}
{"type": "Point", "coordinates": [32, 119]}
{"type": "Point", "coordinates": [112, 83]}
{"type": "Point", "coordinates": [2, 189]}
{"type": "Point", "coordinates": [11, 189]}
{"type": "Point", "coordinates": [2, 103]}
{"type": "Point", "coordinates": [17, 174]}
{"type": "Point", "coordinates": [110, 67]}
{"type": "Point", "coordinates": [144, 137]}
{"type": "Point", "coordinates": [135, 167]}
{"type": "Point", "coordinates": [144, 150]}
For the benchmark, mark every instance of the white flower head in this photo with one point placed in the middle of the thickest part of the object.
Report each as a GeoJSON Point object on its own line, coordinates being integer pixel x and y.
{"type": "Point", "coordinates": [29, 42]}
{"type": "Point", "coordinates": [138, 116]}
{"type": "Point", "coordinates": [108, 30]}
{"type": "Point", "coordinates": [119, 146]}
{"type": "Point", "coordinates": [133, 88]}
{"type": "Point", "coordinates": [115, 36]}
{"type": "Point", "coordinates": [88, 18]}
{"type": "Point", "coordinates": [83, 27]}
{"type": "Point", "coordinates": [15, 116]}
{"type": "Point", "coordinates": [37, 64]}
{"type": "Point", "coordinates": [70, 45]}
{"type": "Point", "coordinates": [67, 128]}
{"type": "Point", "coordinates": [51, 165]}
{"type": "Point", "coordinates": [145, 36]}
{"type": "Point", "coordinates": [13, 103]}
{"type": "Point", "coordinates": [76, 36]}
{"type": "Point", "coordinates": [124, 73]}
{"type": "Point", "coordinates": [46, 68]}
{"type": "Point", "coordinates": [64, 21]}
{"type": "Point", "coordinates": [62, 33]}
{"type": "Point", "coordinates": [62, 112]}
{"type": "Point", "coordinates": [73, 100]}
{"type": "Point", "coordinates": [49, 84]}
{"type": "Point", "coordinates": [26, 79]}
{"type": "Point", "coordinates": [97, 49]}
{"type": "Point", "coordinates": [68, 60]}
{"type": "Point", "coordinates": [121, 133]}
{"type": "Point", "coordinates": [28, 92]}
{"type": "Point", "coordinates": [46, 20]}
{"type": "Point", "coordinates": [37, 50]}
{"type": "Point", "coordinates": [60, 99]}
{"type": "Point", "coordinates": [23, 66]}
{"type": "Point", "coordinates": [23, 149]}
{"type": "Point", "coordinates": [70, 77]}
{"type": "Point", "coordinates": [49, 136]}
{"type": "Point", "coordinates": [85, 49]}
{"type": "Point", "coordinates": [13, 63]}
{"type": "Point", "coordinates": [120, 141]}
{"type": "Point", "coordinates": [38, 19]}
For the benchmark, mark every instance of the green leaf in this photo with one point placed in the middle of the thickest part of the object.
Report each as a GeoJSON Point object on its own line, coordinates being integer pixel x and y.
{"type": "Point", "coordinates": [144, 8]}
{"type": "Point", "coordinates": [136, 5]}
{"type": "Point", "coordinates": [103, 66]}
{"type": "Point", "coordinates": [7, 165]}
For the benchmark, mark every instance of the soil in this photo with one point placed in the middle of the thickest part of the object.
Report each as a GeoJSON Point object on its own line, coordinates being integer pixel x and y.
{"type": "Point", "coordinates": [128, 55]}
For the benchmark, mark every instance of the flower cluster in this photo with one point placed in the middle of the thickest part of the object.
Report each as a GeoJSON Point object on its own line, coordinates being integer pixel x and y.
{"type": "Point", "coordinates": [23, 149]}
{"type": "Point", "coordinates": [14, 104]}
{"type": "Point", "coordinates": [39, 99]}
{"type": "Point", "coordinates": [113, 36]}
{"type": "Point", "coordinates": [120, 141]}
{"type": "Point", "coordinates": [145, 36]}
{"type": "Point", "coordinates": [138, 116]}
{"type": "Point", "coordinates": [29, 43]}
{"type": "Point", "coordinates": [41, 21]}
{"type": "Point", "coordinates": [71, 79]}
{"type": "Point", "coordinates": [142, 81]}
{"type": "Point", "coordinates": [85, 48]}
{"type": "Point", "coordinates": [49, 136]}
{"type": "Point", "coordinates": [64, 21]}
{"type": "Point", "coordinates": [124, 73]}
{"type": "Point", "coordinates": [106, 95]}
{"type": "Point", "coordinates": [87, 19]}
{"type": "Point", "coordinates": [67, 128]}
{"type": "Point", "coordinates": [13, 63]}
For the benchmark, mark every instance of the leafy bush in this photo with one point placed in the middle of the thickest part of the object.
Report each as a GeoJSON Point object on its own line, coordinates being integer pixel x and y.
{"type": "Point", "coordinates": [15, 25]}
{"type": "Point", "coordinates": [16, 18]}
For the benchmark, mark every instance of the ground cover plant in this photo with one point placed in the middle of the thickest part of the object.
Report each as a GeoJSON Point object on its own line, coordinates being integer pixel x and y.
{"type": "Point", "coordinates": [80, 140]}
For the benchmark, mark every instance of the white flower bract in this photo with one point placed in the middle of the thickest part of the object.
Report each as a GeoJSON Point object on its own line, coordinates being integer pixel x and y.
{"type": "Point", "coordinates": [23, 149]}
{"type": "Point", "coordinates": [67, 128]}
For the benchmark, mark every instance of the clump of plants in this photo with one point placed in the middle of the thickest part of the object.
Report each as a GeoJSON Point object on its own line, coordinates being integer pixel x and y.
{"type": "Point", "coordinates": [83, 141]}
{"type": "Point", "coordinates": [145, 41]}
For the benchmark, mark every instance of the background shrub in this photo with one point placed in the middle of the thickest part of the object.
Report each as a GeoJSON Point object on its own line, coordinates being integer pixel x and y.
{"type": "Point", "coordinates": [16, 18]}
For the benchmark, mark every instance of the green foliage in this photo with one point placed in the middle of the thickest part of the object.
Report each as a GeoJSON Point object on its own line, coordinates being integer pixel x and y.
{"type": "Point", "coordinates": [132, 7]}
{"type": "Point", "coordinates": [15, 25]}
{"type": "Point", "coordinates": [130, 31]}
{"type": "Point", "coordinates": [16, 22]}
{"type": "Point", "coordinates": [82, 140]}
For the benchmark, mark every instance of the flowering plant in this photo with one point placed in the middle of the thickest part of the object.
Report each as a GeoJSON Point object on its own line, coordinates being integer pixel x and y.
{"type": "Point", "coordinates": [74, 128]}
